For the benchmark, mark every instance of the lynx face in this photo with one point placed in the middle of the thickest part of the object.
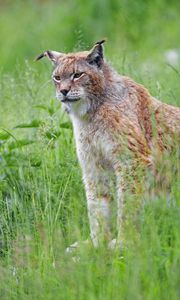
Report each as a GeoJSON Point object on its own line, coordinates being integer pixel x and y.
{"type": "Point", "coordinates": [79, 78]}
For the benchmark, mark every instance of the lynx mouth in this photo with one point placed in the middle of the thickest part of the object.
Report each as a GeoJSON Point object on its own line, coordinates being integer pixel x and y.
{"type": "Point", "coordinates": [66, 99]}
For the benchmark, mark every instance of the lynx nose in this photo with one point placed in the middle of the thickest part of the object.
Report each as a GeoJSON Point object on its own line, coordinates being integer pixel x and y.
{"type": "Point", "coordinates": [64, 92]}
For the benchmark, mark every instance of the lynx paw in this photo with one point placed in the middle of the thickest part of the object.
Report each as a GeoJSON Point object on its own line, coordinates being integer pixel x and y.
{"type": "Point", "coordinates": [112, 244]}
{"type": "Point", "coordinates": [75, 246]}
{"type": "Point", "coordinates": [115, 244]}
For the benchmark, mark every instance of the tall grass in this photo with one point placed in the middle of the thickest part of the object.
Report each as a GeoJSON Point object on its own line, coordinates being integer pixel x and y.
{"type": "Point", "coordinates": [42, 200]}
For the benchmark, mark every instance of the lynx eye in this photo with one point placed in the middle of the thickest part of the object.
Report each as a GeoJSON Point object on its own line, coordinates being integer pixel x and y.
{"type": "Point", "coordinates": [77, 75]}
{"type": "Point", "coordinates": [57, 78]}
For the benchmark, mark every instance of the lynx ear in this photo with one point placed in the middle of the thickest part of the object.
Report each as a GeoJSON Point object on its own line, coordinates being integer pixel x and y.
{"type": "Point", "coordinates": [51, 55]}
{"type": "Point", "coordinates": [95, 57]}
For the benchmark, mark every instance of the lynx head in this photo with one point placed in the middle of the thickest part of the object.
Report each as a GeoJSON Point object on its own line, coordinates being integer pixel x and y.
{"type": "Point", "coordinates": [79, 78]}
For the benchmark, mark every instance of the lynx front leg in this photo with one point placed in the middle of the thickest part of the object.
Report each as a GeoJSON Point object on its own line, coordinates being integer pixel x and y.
{"type": "Point", "coordinates": [120, 208]}
{"type": "Point", "coordinates": [98, 202]}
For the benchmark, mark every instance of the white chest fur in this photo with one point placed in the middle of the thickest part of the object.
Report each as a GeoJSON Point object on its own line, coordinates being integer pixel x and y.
{"type": "Point", "coordinates": [94, 147]}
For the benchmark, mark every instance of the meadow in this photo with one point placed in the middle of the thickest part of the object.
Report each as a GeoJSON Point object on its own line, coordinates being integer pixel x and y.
{"type": "Point", "coordinates": [42, 199]}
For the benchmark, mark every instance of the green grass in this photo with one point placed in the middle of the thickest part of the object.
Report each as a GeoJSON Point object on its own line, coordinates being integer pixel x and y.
{"type": "Point", "coordinates": [42, 199]}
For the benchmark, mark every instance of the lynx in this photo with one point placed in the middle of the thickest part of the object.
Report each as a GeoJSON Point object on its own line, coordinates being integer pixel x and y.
{"type": "Point", "coordinates": [116, 122]}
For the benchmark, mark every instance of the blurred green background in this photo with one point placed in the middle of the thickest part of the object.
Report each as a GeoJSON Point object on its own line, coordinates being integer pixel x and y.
{"type": "Point", "coordinates": [146, 27]}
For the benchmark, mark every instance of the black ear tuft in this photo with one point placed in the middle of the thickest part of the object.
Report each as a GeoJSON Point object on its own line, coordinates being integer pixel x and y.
{"type": "Point", "coordinates": [100, 42]}
{"type": "Point", "coordinates": [40, 56]}
{"type": "Point", "coordinates": [51, 55]}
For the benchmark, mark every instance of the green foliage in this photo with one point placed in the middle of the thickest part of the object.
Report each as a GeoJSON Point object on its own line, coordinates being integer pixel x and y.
{"type": "Point", "coordinates": [42, 200]}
